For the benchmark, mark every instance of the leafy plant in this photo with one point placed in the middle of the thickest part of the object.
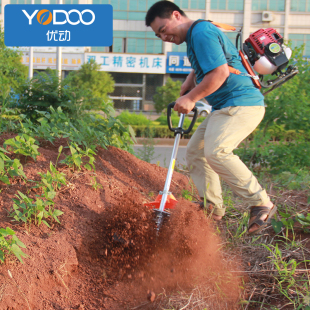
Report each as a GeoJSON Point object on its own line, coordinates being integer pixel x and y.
{"type": "Point", "coordinates": [75, 159]}
{"type": "Point", "coordinates": [289, 220]}
{"type": "Point", "coordinates": [10, 245]}
{"type": "Point", "coordinates": [24, 145]}
{"type": "Point", "coordinates": [27, 210]}
{"type": "Point", "coordinates": [51, 181]}
{"type": "Point", "coordinates": [9, 167]}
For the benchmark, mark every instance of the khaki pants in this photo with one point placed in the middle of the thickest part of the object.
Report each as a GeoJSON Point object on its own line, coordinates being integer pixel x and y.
{"type": "Point", "coordinates": [210, 155]}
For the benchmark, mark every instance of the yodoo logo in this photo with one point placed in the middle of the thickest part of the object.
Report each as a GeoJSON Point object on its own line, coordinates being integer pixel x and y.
{"type": "Point", "coordinates": [60, 17]}
{"type": "Point", "coordinates": [58, 25]}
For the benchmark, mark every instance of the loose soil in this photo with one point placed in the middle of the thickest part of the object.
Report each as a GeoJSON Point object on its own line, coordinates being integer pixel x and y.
{"type": "Point", "coordinates": [106, 254]}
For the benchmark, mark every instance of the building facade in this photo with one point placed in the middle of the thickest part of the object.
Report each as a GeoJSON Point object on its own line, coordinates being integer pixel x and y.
{"type": "Point", "coordinates": [139, 62]}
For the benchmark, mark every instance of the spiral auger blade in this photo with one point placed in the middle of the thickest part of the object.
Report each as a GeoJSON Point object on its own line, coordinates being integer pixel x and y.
{"type": "Point", "coordinates": [160, 218]}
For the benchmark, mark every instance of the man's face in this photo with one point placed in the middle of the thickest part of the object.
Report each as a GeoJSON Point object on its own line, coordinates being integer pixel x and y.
{"type": "Point", "coordinates": [169, 29]}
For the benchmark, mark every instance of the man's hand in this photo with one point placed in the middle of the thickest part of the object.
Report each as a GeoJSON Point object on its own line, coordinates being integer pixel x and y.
{"type": "Point", "coordinates": [184, 105]}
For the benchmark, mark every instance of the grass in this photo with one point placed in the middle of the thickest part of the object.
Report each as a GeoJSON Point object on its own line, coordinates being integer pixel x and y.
{"type": "Point", "coordinates": [274, 266]}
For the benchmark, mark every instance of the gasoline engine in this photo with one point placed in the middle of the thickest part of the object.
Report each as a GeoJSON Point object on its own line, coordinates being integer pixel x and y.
{"type": "Point", "coordinates": [265, 53]}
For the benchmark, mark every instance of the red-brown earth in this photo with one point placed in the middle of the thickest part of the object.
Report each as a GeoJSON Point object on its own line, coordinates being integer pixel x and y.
{"type": "Point", "coordinates": [105, 253]}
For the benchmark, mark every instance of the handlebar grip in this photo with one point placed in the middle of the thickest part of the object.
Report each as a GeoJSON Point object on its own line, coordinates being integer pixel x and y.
{"type": "Point", "coordinates": [180, 130]}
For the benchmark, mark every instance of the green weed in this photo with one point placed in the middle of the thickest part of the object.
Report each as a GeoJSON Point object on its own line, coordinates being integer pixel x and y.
{"type": "Point", "coordinates": [9, 167]}
{"type": "Point", "coordinates": [288, 220]}
{"type": "Point", "coordinates": [77, 156]}
{"type": "Point", "coordinates": [23, 145]}
{"type": "Point", "coordinates": [27, 210]}
{"type": "Point", "coordinates": [294, 289]}
{"type": "Point", "coordinates": [187, 194]}
{"type": "Point", "coordinates": [10, 245]}
{"type": "Point", "coordinates": [95, 185]}
{"type": "Point", "coordinates": [51, 181]}
{"type": "Point", "coordinates": [147, 151]}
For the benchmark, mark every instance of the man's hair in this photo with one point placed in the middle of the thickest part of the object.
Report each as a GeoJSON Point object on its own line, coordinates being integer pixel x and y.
{"type": "Point", "coordinates": [162, 9]}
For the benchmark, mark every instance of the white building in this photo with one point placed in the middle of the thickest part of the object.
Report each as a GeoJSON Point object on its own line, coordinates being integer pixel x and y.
{"type": "Point", "coordinates": [135, 49]}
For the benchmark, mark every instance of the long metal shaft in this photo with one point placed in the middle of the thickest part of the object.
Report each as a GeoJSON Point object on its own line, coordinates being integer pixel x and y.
{"type": "Point", "coordinates": [171, 166]}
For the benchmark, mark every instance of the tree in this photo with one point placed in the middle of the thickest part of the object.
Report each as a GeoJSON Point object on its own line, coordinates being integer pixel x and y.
{"type": "Point", "coordinates": [12, 71]}
{"type": "Point", "coordinates": [98, 83]}
{"type": "Point", "coordinates": [288, 106]}
{"type": "Point", "coordinates": [166, 94]}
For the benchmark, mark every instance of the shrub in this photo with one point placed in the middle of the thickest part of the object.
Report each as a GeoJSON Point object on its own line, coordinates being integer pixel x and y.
{"type": "Point", "coordinates": [44, 91]}
{"type": "Point", "coordinates": [160, 131]}
{"type": "Point", "coordinates": [128, 118]}
{"type": "Point", "coordinates": [175, 120]}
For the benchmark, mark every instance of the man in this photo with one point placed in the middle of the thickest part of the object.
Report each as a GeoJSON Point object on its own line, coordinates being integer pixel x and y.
{"type": "Point", "coordinates": [238, 108]}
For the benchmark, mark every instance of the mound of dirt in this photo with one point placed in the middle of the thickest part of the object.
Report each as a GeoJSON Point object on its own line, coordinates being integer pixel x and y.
{"type": "Point", "coordinates": [106, 254]}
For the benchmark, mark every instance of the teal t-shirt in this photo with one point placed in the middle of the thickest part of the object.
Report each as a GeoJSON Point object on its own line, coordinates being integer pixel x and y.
{"type": "Point", "coordinates": [212, 48]}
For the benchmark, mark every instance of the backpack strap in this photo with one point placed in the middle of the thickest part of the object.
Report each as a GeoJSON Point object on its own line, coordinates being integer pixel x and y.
{"type": "Point", "coordinates": [232, 70]}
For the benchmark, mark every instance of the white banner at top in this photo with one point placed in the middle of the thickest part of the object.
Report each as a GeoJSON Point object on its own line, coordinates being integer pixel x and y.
{"type": "Point", "coordinates": [135, 63]}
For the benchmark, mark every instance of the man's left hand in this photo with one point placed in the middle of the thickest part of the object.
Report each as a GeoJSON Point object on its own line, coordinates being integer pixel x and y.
{"type": "Point", "coordinates": [184, 105]}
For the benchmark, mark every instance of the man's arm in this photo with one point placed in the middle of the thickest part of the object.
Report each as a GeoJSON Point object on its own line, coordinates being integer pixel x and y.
{"type": "Point", "coordinates": [211, 82]}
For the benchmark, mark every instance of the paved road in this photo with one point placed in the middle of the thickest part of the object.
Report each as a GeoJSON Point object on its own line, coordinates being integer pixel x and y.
{"type": "Point", "coordinates": [163, 155]}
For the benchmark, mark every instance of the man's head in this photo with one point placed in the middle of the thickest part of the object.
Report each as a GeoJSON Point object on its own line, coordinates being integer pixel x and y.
{"type": "Point", "coordinates": [168, 21]}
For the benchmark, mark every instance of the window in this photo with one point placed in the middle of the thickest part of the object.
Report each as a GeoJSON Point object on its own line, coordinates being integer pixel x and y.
{"type": "Point", "coordinates": [24, 2]}
{"type": "Point", "coordinates": [191, 4]}
{"type": "Point", "coordinates": [300, 39]}
{"type": "Point", "coordinates": [268, 5]}
{"type": "Point", "coordinates": [129, 5]}
{"type": "Point", "coordinates": [136, 15]}
{"type": "Point", "coordinates": [231, 5]}
{"type": "Point", "coordinates": [137, 5]}
{"type": "Point", "coordinates": [136, 42]}
{"type": "Point", "coordinates": [152, 82]}
{"type": "Point", "coordinates": [71, 2]}
{"type": "Point", "coordinates": [150, 3]}
{"type": "Point", "coordinates": [118, 45]}
{"type": "Point", "coordinates": [300, 6]}
{"type": "Point", "coordinates": [183, 4]}
{"type": "Point", "coordinates": [179, 48]}
{"type": "Point", "coordinates": [119, 15]}
{"type": "Point", "coordinates": [100, 1]}
{"type": "Point", "coordinates": [102, 49]}
{"type": "Point", "coordinates": [136, 45]}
